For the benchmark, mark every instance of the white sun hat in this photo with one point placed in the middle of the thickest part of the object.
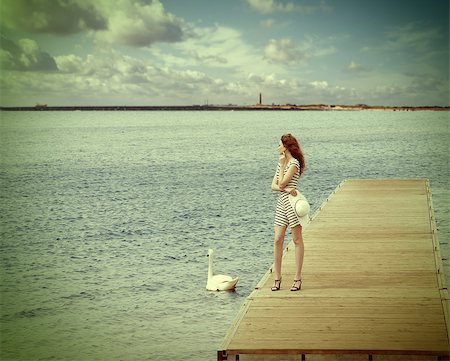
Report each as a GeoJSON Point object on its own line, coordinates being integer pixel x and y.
{"type": "Point", "coordinates": [301, 207]}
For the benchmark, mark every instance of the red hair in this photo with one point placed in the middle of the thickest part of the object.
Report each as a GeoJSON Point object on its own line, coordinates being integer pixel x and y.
{"type": "Point", "coordinates": [291, 144]}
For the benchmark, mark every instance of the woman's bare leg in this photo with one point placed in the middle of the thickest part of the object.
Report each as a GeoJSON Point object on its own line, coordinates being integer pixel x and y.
{"type": "Point", "coordinates": [280, 232]}
{"type": "Point", "coordinates": [297, 238]}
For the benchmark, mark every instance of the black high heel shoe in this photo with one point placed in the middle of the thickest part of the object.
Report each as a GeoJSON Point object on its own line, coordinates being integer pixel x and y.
{"type": "Point", "coordinates": [295, 287]}
{"type": "Point", "coordinates": [276, 286]}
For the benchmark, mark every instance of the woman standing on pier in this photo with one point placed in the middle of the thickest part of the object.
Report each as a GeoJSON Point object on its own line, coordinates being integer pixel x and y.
{"type": "Point", "coordinates": [291, 164]}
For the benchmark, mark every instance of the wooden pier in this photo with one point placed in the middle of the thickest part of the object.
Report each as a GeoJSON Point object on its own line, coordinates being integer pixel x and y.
{"type": "Point", "coordinates": [373, 284]}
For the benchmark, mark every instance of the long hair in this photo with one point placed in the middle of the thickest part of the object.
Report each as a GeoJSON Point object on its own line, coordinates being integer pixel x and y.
{"type": "Point", "coordinates": [292, 146]}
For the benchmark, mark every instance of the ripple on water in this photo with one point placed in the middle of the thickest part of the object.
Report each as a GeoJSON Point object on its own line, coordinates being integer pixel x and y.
{"type": "Point", "coordinates": [105, 233]}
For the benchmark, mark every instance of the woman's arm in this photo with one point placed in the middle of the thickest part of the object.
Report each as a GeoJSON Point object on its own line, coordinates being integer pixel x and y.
{"type": "Point", "coordinates": [280, 181]}
{"type": "Point", "coordinates": [275, 186]}
{"type": "Point", "coordinates": [280, 170]}
{"type": "Point", "coordinates": [284, 181]}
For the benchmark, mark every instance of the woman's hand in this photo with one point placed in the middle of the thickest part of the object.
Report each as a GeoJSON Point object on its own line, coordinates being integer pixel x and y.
{"type": "Point", "coordinates": [282, 159]}
{"type": "Point", "coordinates": [292, 191]}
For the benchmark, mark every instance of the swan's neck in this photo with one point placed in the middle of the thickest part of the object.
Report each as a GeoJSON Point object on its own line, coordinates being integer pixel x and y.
{"type": "Point", "coordinates": [210, 266]}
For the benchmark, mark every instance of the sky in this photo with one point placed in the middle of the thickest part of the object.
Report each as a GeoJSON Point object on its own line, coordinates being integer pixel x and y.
{"type": "Point", "coordinates": [189, 52]}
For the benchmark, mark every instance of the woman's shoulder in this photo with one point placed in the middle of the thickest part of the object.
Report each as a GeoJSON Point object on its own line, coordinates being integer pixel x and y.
{"type": "Point", "coordinates": [294, 161]}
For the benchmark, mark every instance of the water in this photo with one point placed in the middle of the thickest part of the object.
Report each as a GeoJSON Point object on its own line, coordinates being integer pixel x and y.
{"type": "Point", "coordinates": [107, 218]}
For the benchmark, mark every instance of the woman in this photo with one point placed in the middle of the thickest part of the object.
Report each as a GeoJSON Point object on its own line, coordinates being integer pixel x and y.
{"type": "Point", "coordinates": [291, 165]}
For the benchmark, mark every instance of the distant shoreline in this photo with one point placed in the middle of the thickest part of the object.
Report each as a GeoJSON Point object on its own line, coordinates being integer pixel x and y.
{"type": "Point", "coordinates": [320, 107]}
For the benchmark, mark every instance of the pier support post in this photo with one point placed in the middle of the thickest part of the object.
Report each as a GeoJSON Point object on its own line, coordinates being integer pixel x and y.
{"type": "Point", "coordinates": [222, 355]}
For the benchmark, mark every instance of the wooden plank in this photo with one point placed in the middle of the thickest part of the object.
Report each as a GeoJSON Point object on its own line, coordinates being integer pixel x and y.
{"type": "Point", "coordinates": [372, 281]}
{"type": "Point", "coordinates": [323, 356]}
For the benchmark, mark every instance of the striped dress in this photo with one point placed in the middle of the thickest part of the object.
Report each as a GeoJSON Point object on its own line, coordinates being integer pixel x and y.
{"type": "Point", "coordinates": [284, 213]}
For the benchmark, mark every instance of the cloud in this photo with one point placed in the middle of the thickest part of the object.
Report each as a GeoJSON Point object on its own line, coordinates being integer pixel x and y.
{"type": "Point", "coordinates": [412, 37]}
{"type": "Point", "coordinates": [273, 6]}
{"type": "Point", "coordinates": [109, 75]}
{"type": "Point", "coordinates": [126, 22]}
{"type": "Point", "coordinates": [297, 91]}
{"type": "Point", "coordinates": [283, 51]}
{"type": "Point", "coordinates": [69, 63]}
{"type": "Point", "coordinates": [181, 72]}
{"type": "Point", "coordinates": [421, 90]}
{"type": "Point", "coordinates": [421, 83]}
{"type": "Point", "coordinates": [137, 24]}
{"type": "Point", "coordinates": [60, 17]}
{"type": "Point", "coordinates": [111, 67]}
{"type": "Point", "coordinates": [25, 55]}
{"type": "Point", "coordinates": [319, 84]}
{"type": "Point", "coordinates": [271, 80]}
{"type": "Point", "coordinates": [218, 47]}
{"type": "Point", "coordinates": [208, 58]}
{"type": "Point", "coordinates": [356, 68]}
{"type": "Point", "coordinates": [286, 51]}
{"type": "Point", "coordinates": [268, 23]}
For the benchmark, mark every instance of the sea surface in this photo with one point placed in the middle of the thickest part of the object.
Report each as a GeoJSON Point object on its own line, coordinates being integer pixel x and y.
{"type": "Point", "coordinates": [107, 218]}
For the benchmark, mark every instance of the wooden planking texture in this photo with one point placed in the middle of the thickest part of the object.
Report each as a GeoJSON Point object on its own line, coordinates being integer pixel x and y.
{"type": "Point", "coordinates": [371, 281]}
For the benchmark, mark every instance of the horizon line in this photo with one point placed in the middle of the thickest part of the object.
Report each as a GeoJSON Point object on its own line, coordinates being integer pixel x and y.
{"type": "Point", "coordinates": [318, 106]}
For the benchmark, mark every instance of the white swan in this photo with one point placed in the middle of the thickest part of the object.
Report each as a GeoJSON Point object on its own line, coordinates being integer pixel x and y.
{"type": "Point", "coordinates": [219, 282]}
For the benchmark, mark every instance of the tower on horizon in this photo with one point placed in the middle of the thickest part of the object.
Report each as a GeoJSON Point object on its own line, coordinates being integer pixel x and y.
{"type": "Point", "coordinates": [260, 99]}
